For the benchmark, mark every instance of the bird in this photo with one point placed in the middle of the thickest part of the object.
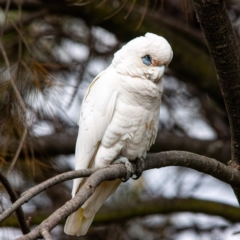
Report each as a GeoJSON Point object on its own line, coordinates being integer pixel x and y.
{"type": "Point", "coordinates": [119, 118]}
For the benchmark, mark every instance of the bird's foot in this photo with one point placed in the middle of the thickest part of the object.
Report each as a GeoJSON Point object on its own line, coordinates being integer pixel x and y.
{"type": "Point", "coordinates": [139, 162]}
{"type": "Point", "coordinates": [139, 168]}
{"type": "Point", "coordinates": [128, 167]}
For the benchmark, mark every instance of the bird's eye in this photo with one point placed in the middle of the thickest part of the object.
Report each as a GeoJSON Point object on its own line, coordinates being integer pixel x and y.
{"type": "Point", "coordinates": [147, 60]}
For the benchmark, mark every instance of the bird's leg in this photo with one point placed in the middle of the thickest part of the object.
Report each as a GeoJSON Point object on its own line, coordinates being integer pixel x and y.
{"type": "Point", "coordinates": [128, 167]}
{"type": "Point", "coordinates": [139, 168]}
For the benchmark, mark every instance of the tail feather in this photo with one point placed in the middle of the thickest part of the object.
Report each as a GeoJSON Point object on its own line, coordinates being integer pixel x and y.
{"type": "Point", "coordinates": [73, 222]}
{"type": "Point", "coordinates": [79, 222]}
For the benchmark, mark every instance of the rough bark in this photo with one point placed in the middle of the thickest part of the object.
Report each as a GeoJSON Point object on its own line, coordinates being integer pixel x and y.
{"type": "Point", "coordinates": [225, 52]}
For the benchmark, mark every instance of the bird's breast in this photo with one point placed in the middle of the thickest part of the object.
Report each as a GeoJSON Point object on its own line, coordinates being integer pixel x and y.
{"type": "Point", "coordinates": [132, 130]}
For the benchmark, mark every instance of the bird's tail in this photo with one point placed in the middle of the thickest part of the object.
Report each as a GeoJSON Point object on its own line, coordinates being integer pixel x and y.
{"type": "Point", "coordinates": [79, 221]}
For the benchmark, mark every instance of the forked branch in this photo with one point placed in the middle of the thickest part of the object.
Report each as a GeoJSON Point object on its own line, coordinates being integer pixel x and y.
{"type": "Point", "coordinates": [172, 158]}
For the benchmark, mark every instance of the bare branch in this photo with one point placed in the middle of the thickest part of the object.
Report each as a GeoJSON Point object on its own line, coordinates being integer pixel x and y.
{"type": "Point", "coordinates": [32, 192]}
{"type": "Point", "coordinates": [109, 173]}
{"type": "Point", "coordinates": [45, 233]}
{"type": "Point", "coordinates": [164, 159]}
{"type": "Point", "coordinates": [13, 196]}
{"type": "Point", "coordinates": [172, 158]}
{"type": "Point", "coordinates": [197, 162]}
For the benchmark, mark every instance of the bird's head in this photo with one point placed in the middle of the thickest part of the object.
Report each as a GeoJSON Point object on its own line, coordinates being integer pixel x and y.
{"type": "Point", "coordinates": [145, 57]}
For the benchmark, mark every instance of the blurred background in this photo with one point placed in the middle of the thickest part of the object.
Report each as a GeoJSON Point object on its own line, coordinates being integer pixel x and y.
{"type": "Point", "coordinates": [52, 50]}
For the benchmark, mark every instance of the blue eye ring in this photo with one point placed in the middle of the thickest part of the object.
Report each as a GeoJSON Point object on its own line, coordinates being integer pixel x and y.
{"type": "Point", "coordinates": [147, 60]}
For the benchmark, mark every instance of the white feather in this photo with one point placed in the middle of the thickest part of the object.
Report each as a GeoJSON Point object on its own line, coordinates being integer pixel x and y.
{"type": "Point", "coordinates": [119, 116]}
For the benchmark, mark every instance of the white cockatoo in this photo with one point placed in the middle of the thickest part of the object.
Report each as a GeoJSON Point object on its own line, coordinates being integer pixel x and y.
{"type": "Point", "coordinates": [119, 117]}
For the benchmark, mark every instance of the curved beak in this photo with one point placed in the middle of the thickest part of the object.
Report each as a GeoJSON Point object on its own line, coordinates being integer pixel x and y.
{"type": "Point", "coordinates": [161, 70]}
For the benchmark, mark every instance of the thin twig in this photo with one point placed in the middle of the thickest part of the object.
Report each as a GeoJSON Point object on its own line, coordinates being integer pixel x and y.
{"type": "Point", "coordinates": [21, 102]}
{"type": "Point", "coordinates": [143, 15]}
{"type": "Point", "coordinates": [20, 27]}
{"type": "Point", "coordinates": [83, 66]}
{"type": "Point", "coordinates": [13, 197]}
{"type": "Point", "coordinates": [6, 17]}
{"type": "Point", "coordinates": [117, 11]}
{"type": "Point", "coordinates": [22, 37]}
{"type": "Point", "coordinates": [22, 105]}
{"type": "Point", "coordinates": [101, 4]}
{"type": "Point", "coordinates": [45, 233]}
{"type": "Point", "coordinates": [24, 21]}
{"type": "Point", "coordinates": [130, 9]}
{"type": "Point", "coordinates": [83, 4]}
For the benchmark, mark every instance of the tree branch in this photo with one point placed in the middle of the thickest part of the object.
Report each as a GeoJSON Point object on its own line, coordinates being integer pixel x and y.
{"type": "Point", "coordinates": [164, 159]}
{"type": "Point", "coordinates": [45, 233]}
{"type": "Point", "coordinates": [32, 192]}
{"type": "Point", "coordinates": [172, 158]}
{"type": "Point", "coordinates": [109, 173]}
{"type": "Point", "coordinates": [13, 196]}
{"type": "Point", "coordinates": [225, 52]}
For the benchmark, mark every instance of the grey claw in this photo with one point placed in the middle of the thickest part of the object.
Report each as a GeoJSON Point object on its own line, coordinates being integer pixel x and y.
{"type": "Point", "coordinates": [128, 167]}
{"type": "Point", "coordinates": [139, 168]}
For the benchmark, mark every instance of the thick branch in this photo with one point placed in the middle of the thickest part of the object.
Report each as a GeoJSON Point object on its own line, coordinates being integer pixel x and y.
{"type": "Point", "coordinates": [172, 158]}
{"type": "Point", "coordinates": [197, 162]}
{"type": "Point", "coordinates": [225, 52]}
{"type": "Point", "coordinates": [13, 196]}
{"type": "Point", "coordinates": [164, 159]}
